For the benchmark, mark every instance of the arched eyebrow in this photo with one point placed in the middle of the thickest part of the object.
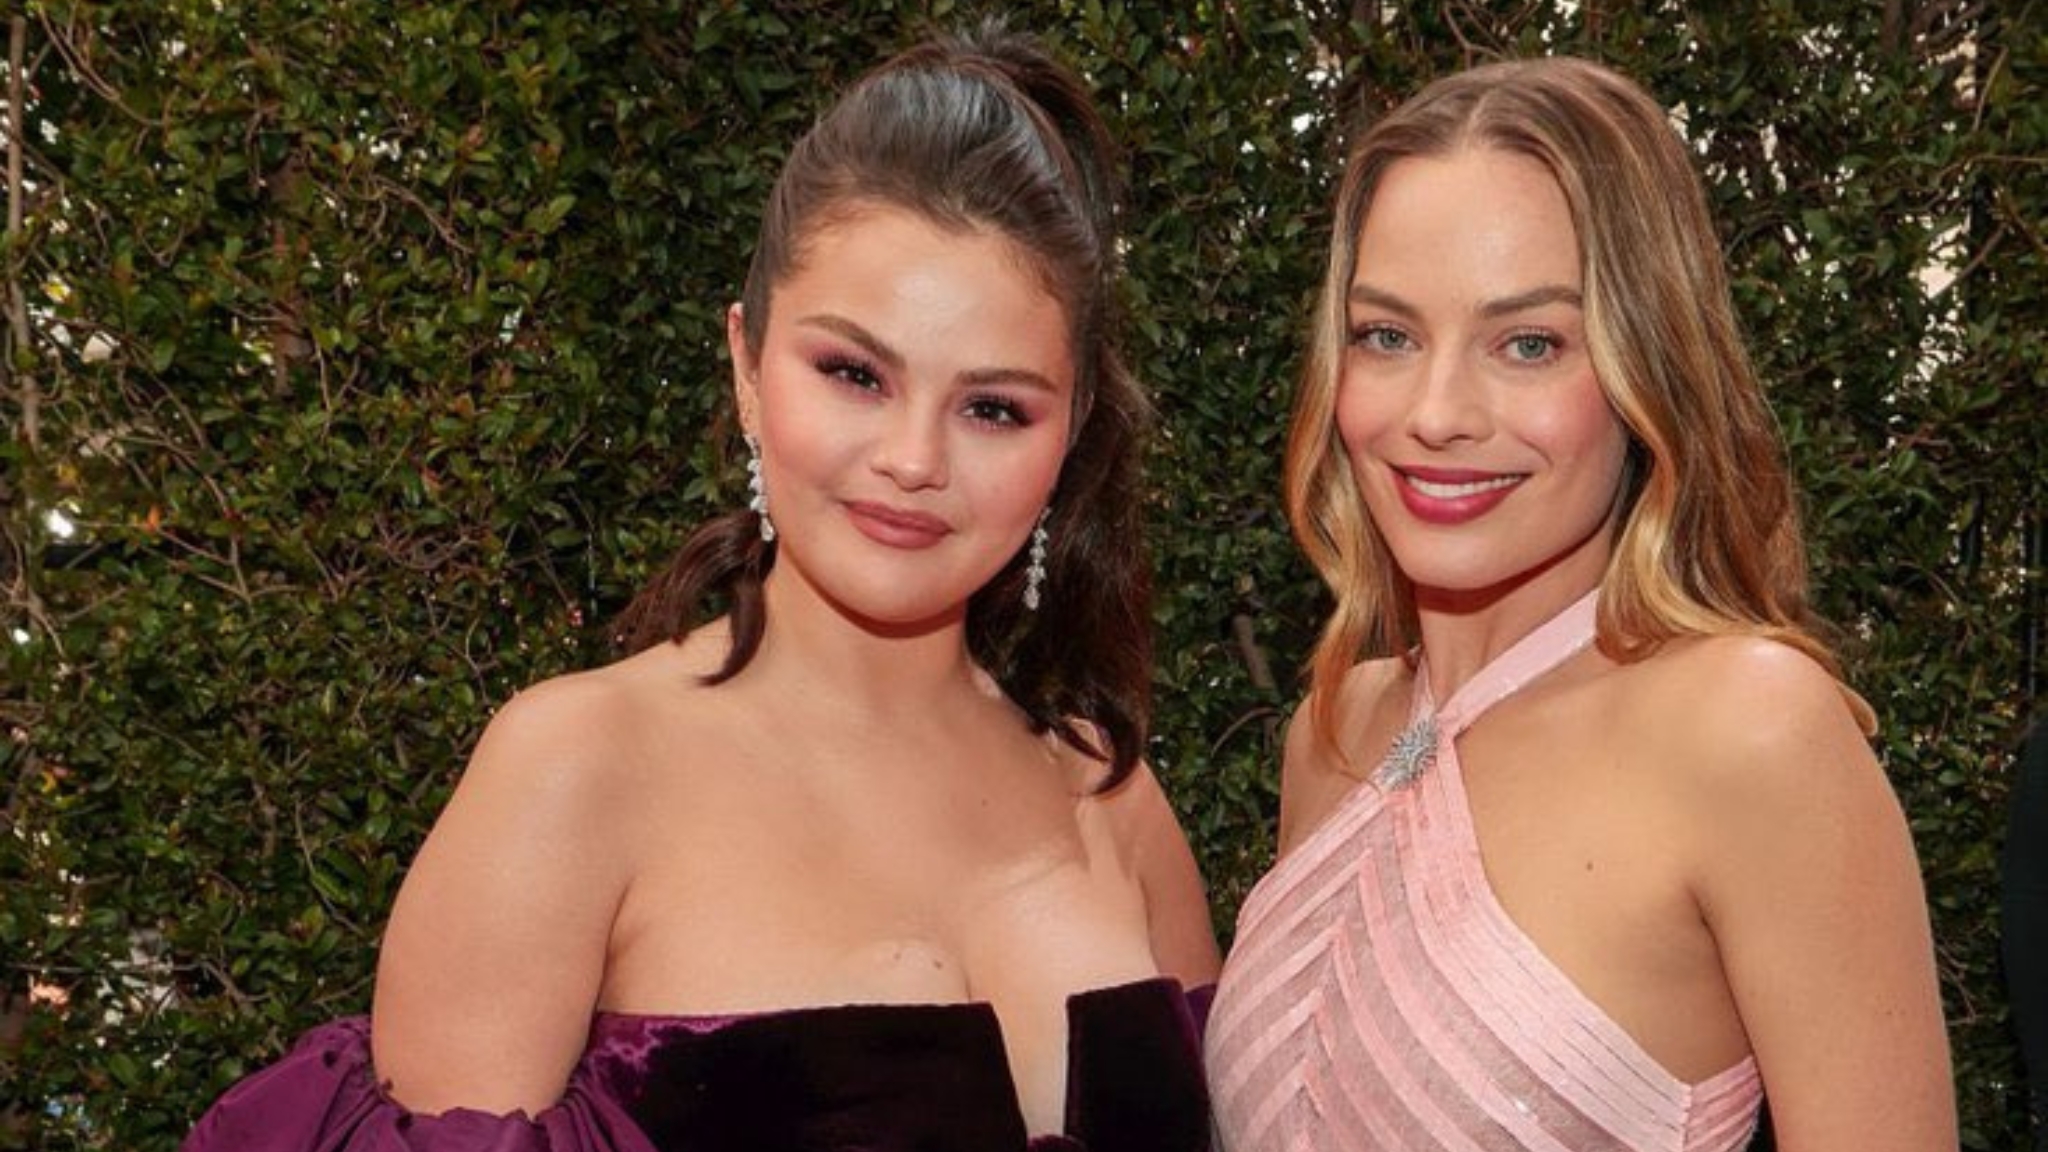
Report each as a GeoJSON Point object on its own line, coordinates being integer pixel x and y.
{"type": "Point", "coordinates": [1533, 298]}
{"type": "Point", "coordinates": [1374, 297]}
{"type": "Point", "coordinates": [848, 330]}
{"type": "Point", "coordinates": [1491, 309]}
{"type": "Point", "coordinates": [892, 360]}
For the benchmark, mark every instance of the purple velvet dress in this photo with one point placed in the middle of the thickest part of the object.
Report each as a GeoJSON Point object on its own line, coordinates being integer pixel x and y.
{"type": "Point", "coordinates": [854, 1078]}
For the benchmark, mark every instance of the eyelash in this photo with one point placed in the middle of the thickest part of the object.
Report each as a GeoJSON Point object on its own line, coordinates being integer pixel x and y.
{"type": "Point", "coordinates": [858, 373]}
{"type": "Point", "coordinates": [1367, 336]}
{"type": "Point", "coordinates": [1551, 346]}
{"type": "Point", "coordinates": [997, 411]}
{"type": "Point", "coordinates": [1371, 338]}
{"type": "Point", "coordinates": [990, 409]}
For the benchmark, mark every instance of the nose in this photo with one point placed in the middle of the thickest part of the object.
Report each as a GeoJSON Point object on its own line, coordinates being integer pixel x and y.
{"type": "Point", "coordinates": [1449, 403]}
{"type": "Point", "coordinates": [912, 449]}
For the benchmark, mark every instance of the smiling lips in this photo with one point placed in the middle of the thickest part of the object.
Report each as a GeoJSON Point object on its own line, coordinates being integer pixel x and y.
{"type": "Point", "coordinates": [895, 527]}
{"type": "Point", "coordinates": [1453, 496]}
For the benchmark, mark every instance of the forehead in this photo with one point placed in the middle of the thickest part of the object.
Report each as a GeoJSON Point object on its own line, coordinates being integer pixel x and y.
{"type": "Point", "coordinates": [1476, 209]}
{"type": "Point", "coordinates": [899, 245]}
{"type": "Point", "coordinates": [952, 299]}
{"type": "Point", "coordinates": [830, 225]}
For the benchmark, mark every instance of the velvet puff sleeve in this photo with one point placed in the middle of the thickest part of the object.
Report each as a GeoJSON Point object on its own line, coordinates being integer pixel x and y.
{"type": "Point", "coordinates": [323, 1096]}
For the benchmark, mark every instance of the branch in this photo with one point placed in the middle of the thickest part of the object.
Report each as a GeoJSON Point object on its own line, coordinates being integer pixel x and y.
{"type": "Point", "coordinates": [17, 304]}
{"type": "Point", "coordinates": [2022, 219]}
{"type": "Point", "coordinates": [75, 60]}
{"type": "Point", "coordinates": [1977, 260]}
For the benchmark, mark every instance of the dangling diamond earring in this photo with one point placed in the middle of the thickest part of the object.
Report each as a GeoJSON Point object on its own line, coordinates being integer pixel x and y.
{"type": "Point", "coordinates": [1034, 572]}
{"type": "Point", "coordinates": [757, 491]}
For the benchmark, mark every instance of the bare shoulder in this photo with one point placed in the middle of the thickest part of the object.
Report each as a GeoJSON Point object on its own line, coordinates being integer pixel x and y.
{"type": "Point", "coordinates": [1318, 769]}
{"type": "Point", "coordinates": [1137, 805]}
{"type": "Point", "coordinates": [1741, 672]}
{"type": "Point", "coordinates": [585, 729]}
{"type": "Point", "coordinates": [1748, 712]}
{"type": "Point", "coordinates": [1800, 856]}
{"type": "Point", "coordinates": [1759, 746]}
{"type": "Point", "coordinates": [564, 738]}
{"type": "Point", "coordinates": [1139, 814]}
{"type": "Point", "coordinates": [573, 717]}
{"type": "Point", "coordinates": [1155, 848]}
{"type": "Point", "coordinates": [496, 951]}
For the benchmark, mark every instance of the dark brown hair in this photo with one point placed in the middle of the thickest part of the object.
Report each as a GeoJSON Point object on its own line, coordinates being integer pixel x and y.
{"type": "Point", "coordinates": [979, 131]}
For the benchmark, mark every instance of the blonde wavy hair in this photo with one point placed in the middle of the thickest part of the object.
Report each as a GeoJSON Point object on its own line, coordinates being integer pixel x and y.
{"type": "Point", "coordinates": [1708, 539]}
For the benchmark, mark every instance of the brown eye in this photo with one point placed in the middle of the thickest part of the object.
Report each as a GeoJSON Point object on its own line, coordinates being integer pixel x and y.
{"type": "Point", "coordinates": [853, 372]}
{"type": "Point", "coordinates": [996, 410]}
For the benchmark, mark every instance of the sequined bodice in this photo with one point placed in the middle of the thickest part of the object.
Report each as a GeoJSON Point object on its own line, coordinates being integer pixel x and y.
{"type": "Point", "coordinates": [1379, 997]}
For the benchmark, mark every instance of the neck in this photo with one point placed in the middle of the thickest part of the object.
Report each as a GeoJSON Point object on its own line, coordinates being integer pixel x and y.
{"type": "Point", "coordinates": [1463, 632]}
{"type": "Point", "coordinates": [826, 656]}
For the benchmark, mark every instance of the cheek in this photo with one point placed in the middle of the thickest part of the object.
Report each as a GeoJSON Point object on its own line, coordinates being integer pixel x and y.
{"type": "Point", "coordinates": [801, 430]}
{"type": "Point", "coordinates": [1034, 475]}
{"type": "Point", "coordinates": [1036, 466]}
{"type": "Point", "coordinates": [1588, 431]}
{"type": "Point", "coordinates": [1358, 419]}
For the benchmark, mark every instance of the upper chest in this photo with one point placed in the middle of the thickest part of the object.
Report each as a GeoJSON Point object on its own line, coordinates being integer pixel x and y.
{"type": "Point", "coordinates": [846, 880]}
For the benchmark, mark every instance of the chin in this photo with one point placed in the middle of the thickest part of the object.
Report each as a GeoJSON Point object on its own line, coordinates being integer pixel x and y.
{"type": "Point", "coordinates": [1476, 585]}
{"type": "Point", "coordinates": [1439, 573]}
{"type": "Point", "coordinates": [896, 616]}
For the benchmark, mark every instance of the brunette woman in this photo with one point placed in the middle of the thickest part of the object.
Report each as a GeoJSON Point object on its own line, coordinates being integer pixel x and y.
{"type": "Point", "coordinates": [871, 861]}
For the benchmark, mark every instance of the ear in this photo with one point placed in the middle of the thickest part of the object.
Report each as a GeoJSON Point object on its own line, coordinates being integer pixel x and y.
{"type": "Point", "coordinates": [746, 370]}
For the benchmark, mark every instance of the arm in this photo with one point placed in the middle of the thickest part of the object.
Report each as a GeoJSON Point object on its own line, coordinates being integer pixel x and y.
{"type": "Point", "coordinates": [1810, 886]}
{"type": "Point", "coordinates": [1176, 906]}
{"type": "Point", "coordinates": [1310, 786]}
{"type": "Point", "coordinates": [1314, 777]}
{"type": "Point", "coordinates": [495, 953]}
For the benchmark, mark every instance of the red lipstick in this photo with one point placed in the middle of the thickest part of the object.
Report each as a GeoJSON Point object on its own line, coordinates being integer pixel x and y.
{"type": "Point", "coordinates": [1453, 495]}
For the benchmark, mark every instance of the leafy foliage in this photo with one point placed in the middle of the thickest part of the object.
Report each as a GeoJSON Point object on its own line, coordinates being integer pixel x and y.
{"type": "Point", "coordinates": [373, 351]}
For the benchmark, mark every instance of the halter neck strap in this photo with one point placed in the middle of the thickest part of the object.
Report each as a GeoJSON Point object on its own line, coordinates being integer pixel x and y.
{"type": "Point", "coordinates": [1552, 643]}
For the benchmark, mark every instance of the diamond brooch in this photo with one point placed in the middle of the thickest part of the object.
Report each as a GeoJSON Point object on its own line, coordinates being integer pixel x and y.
{"type": "Point", "coordinates": [1412, 753]}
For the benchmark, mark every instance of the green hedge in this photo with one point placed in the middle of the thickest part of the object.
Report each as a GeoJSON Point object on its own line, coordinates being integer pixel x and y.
{"type": "Point", "coordinates": [373, 353]}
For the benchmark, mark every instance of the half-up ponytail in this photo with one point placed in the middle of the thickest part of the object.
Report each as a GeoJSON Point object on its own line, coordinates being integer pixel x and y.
{"type": "Point", "coordinates": [978, 132]}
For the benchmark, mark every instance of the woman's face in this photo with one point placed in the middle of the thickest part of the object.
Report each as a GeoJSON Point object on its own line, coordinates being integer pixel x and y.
{"type": "Point", "coordinates": [912, 397]}
{"type": "Point", "coordinates": [1486, 451]}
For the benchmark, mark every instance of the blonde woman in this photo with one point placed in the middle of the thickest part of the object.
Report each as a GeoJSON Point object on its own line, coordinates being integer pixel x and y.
{"type": "Point", "coordinates": [1582, 842]}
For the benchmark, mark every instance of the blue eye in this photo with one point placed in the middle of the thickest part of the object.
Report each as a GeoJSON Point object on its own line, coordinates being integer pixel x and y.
{"type": "Point", "coordinates": [1532, 347]}
{"type": "Point", "coordinates": [1380, 338]}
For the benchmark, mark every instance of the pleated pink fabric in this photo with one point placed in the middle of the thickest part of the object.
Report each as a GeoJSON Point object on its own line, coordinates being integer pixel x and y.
{"type": "Point", "coordinates": [1379, 997]}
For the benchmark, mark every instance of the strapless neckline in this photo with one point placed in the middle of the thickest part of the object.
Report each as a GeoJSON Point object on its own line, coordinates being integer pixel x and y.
{"type": "Point", "coordinates": [707, 1021]}
{"type": "Point", "coordinates": [1114, 1034]}
{"type": "Point", "coordinates": [830, 1078]}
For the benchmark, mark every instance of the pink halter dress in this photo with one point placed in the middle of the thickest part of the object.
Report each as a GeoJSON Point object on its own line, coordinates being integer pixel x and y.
{"type": "Point", "coordinates": [1379, 997]}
